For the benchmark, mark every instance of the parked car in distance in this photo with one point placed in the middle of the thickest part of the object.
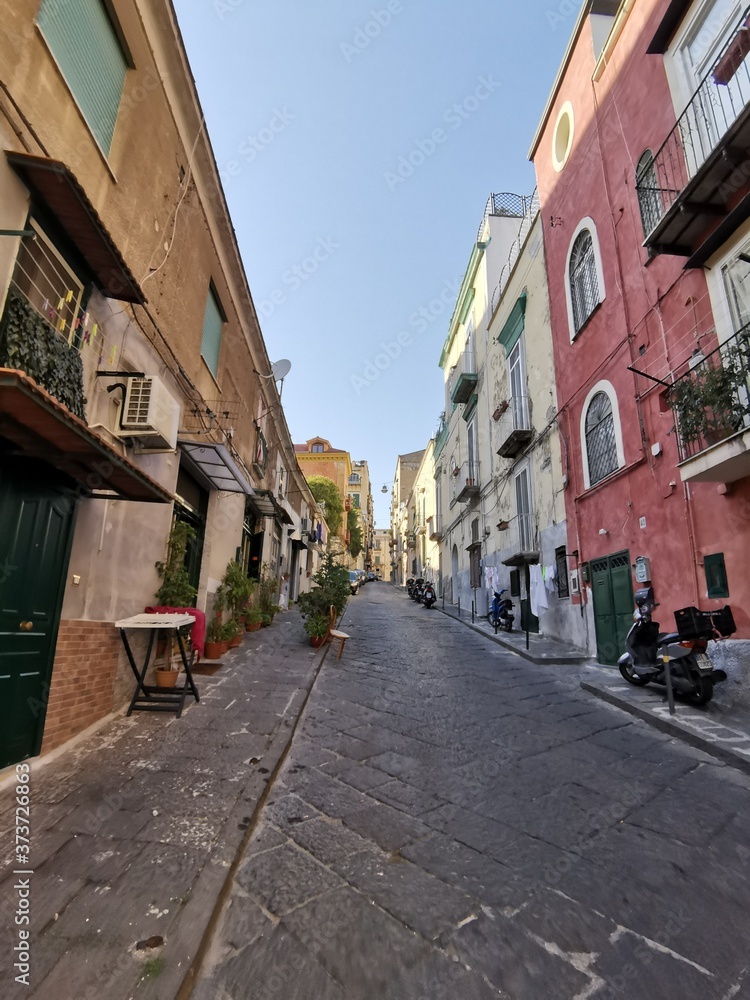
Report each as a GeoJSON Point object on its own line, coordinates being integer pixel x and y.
{"type": "Point", "coordinates": [371, 575]}
{"type": "Point", "coordinates": [353, 581]}
{"type": "Point", "coordinates": [362, 577]}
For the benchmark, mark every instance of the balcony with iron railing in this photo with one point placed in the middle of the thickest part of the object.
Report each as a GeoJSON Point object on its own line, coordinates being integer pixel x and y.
{"type": "Point", "coordinates": [464, 378]}
{"type": "Point", "coordinates": [436, 527]}
{"type": "Point", "coordinates": [520, 543]}
{"type": "Point", "coordinates": [420, 525]}
{"type": "Point", "coordinates": [691, 189]}
{"type": "Point", "coordinates": [411, 539]}
{"type": "Point", "coordinates": [514, 427]}
{"type": "Point", "coordinates": [441, 436]}
{"type": "Point", "coordinates": [467, 481]}
{"type": "Point", "coordinates": [711, 406]}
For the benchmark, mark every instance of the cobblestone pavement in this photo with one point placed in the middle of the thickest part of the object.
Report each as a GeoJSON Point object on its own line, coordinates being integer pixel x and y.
{"type": "Point", "coordinates": [455, 823]}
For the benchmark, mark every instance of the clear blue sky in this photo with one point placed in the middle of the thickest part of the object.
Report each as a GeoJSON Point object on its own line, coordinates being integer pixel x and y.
{"type": "Point", "coordinates": [312, 108]}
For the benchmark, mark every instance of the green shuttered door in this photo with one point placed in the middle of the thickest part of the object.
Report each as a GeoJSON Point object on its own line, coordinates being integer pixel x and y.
{"type": "Point", "coordinates": [84, 43]}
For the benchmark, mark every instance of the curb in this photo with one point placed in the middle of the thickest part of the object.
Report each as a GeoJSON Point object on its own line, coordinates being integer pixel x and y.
{"type": "Point", "coordinates": [577, 659]}
{"type": "Point", "coordinates": [686, 725]}
{"type": "Point", "coordinates": [193, 934]}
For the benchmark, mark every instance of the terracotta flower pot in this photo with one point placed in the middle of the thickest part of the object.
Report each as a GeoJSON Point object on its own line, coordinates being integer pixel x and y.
{"type": "Point", "coordinates": [317, 640]}
{"type": "Point", "coordinates": [234, 643]}
{"type": "Point", "coordinates": [166, 678]}
{"type": "Point", "coordinates": [213, 650]}
{"type": "Point", "coordinates": [253, 626]}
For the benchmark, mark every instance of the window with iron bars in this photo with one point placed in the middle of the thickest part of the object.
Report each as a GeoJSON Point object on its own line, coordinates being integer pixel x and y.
{"type": "Point", "coordinates": [601, 444]}
{"type": "Point", "coordinates": [584, 284]}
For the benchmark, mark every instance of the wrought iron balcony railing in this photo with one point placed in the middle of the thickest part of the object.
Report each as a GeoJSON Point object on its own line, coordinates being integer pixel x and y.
{"type": "Point", "coordinates": [521, 539]}
{"type": "Point", "coordinates": [436, 527]}
{"type": "Point", "coordinates": [714, 108]}
{"type": "Point", "coordinates": [466, 481]}
{"type": "Point", "coordinates": [464, 377]}
{"type": "Point", "coordinates": [711, 400]}
{"type": "Point", "coordinates": [514, 426]}
{"type": "Point", "coordinates": [441, 435]}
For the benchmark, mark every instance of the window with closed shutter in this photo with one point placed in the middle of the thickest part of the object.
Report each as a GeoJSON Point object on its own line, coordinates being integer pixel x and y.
{"type": "Point", "coordinates": [83, 40]}
{"type": "Point", "coordinates": [213, 321]}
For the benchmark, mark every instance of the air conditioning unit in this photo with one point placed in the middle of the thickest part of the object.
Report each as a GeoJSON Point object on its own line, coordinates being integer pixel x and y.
{"type": "Point", "coordinates": [150, 413]}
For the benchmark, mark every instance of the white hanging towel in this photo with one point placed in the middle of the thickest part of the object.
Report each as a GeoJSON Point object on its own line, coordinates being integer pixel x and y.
{"type": "Point", "coordinates": [537, 593]}
{"type": "Point", "coordinates": [549, 578]}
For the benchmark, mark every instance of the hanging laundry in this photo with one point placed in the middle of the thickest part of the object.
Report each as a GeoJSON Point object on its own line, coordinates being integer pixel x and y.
{"type": "Point", "coordinates": [537, 593]}
{"type": "Point", "coordinates": [550, 576]}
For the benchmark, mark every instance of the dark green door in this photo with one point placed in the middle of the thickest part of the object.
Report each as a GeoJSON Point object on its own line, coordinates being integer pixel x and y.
{"type": "Point", "coordinates": [612, 586]}
{"type": "Point", "coordinates": [36, 522]}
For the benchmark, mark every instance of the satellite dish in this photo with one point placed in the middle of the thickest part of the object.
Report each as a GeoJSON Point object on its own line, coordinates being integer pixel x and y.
{"type": "Point", "coordinates": [280, 369]}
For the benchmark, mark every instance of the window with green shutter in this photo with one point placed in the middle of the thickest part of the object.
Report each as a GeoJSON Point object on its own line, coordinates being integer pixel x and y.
{"type": "Point", "coordinates": [84, 42]}
{"type": "Point", "coordinates": [213, 322]}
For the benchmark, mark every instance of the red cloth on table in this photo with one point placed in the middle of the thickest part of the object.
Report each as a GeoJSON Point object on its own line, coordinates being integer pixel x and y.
{"type": "Point", "coordinates": [197, 630]}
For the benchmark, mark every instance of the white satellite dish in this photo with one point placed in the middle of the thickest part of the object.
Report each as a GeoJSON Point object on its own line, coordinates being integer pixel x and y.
{"type": "Point", "coordinates": [280, 369]}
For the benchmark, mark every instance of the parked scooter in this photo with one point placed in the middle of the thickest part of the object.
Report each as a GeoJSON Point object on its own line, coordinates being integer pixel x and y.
{"type": "Point", "coordinates": [689, 665]}
{"type": "Point", "coordinates": [429, 597]}
{"type": "Point", "coordinates": [501, 614]}
{"type": "Point", "coordinates": [409, 586]}
{"type": "Point", "coordinates": [416, 593]}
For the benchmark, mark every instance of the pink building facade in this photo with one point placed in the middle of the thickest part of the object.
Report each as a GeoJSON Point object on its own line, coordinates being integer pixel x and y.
{"type": "Point", "coordinates": [643, 232]}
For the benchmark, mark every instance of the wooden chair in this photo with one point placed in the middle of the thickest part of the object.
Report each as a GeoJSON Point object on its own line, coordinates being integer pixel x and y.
{"type": "Point", "coordinates": [334, 633]}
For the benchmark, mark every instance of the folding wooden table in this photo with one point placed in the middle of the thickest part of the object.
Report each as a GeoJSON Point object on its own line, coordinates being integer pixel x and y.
{"type": "Point", "coordinates": [149, 697]}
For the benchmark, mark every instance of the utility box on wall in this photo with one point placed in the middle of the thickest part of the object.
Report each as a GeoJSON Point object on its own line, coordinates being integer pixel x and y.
{"type": "Point", "coordinates": [642, 569]}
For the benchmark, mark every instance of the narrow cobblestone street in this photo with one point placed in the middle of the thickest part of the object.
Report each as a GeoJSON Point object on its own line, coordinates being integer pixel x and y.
{"type": "Point", "coordinates": [455, 822]}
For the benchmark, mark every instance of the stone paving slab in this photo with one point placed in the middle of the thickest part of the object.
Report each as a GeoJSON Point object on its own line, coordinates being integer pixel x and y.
{"type": "Point", "coordinates": [723, 731]}
{"type": "Point", "coordinates": [135, 830]}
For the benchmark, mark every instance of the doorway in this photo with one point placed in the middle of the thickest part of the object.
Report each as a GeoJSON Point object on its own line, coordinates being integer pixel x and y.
{"type": "Point", "coordinates": [37, 517]}
{"type": "Point", "coordinates": [612, 589]}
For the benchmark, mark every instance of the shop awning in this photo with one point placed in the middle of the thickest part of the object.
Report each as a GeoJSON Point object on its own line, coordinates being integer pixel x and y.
{"type": "Point", "coordinates": [213, 464]}
{"type": "Point", "coordinates": [56, 189]}
{"type": "Point", "coordinates": [37, 426]}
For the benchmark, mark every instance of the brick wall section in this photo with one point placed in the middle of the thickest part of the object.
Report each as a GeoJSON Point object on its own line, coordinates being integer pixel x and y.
{"type": "Point", "coordinates": [84, 676]}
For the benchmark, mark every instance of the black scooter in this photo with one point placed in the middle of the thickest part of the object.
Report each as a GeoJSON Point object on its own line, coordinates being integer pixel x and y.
{"type": "Point", "coordinates": [501, 614]}
{"type": "Point", "coordinates": [429, 597]}
{"type": "Point", "coordinates": [409, 586]}
{"type": "Point", "coordinates": [416, 592]}
{"type": "Point", "coordinates": [689, 665]}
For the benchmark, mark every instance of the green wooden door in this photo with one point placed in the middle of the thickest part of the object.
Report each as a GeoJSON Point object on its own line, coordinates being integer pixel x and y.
{"type": "Point", "coordinates": [612, 587]}
{"type": "Point", "coordinates": [36, 522]}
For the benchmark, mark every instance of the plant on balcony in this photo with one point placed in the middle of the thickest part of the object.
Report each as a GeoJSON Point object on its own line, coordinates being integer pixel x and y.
{"type": "Point", "coordinates": [707, 403]}
{"type": "Point", "coordinates": [29, 344]}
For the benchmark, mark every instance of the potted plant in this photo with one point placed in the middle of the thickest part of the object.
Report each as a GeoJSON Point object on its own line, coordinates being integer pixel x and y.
{"type": "Point", "coordinates": [316, 626]}
{"type": "Point", "coordinates": [176, 591]}
{"type": "Point", "coordinates": [238, 588]}
{"type": "Point", "coordinates": [253, 619]}
{"type": "Point", "coordinates": [232, 632]}
{"type": "Point", "coordinates": [708, 402]}
{"type": "Point", "coordinates": [213, 649]}
{"type": "Point", "coordinates": [266, 619]}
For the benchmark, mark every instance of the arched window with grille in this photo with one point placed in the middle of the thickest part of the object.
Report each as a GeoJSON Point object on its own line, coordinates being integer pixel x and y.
{"type": "Point", "coordinates": [584, 284]}
{"type": "Point", "coordinates": [600, 438]}
{"type": "Point", "coordinates": [649, 200]}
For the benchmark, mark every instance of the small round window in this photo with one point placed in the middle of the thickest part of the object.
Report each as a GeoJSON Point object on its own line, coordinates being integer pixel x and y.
{"type": "Point", "coordinates": [563, 136]}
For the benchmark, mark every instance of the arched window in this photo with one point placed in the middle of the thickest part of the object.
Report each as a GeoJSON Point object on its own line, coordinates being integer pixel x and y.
{"type": "Point", "coordinates": [582, 276]}
{"type": "Point", "coordinates": [354, 478]}
{"type": "Point", "coordinates": [649, 199]}
{"type": "Point", "coordinates": [601, 442]}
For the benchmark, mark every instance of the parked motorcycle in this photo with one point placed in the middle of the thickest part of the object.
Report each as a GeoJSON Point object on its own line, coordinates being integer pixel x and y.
{"type": "Point", "coordinates": [416, 593]}
{"type": "Point", "coordinates": [689, 664]}
{"type": "Point", "coordinates": [501, 614]}
{"type": "Point", "coordinates": [409, 586]}
{"type": "Point", "coordinates": [429, 597]}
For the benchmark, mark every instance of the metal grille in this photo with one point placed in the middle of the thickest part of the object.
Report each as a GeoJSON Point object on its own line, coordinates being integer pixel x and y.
{"type": "Point", "coordinates": [601, 445]}
{"type": "Point", "coordinates": [139, 401]}
{"type": "Point", "coordinates": [584, 286]}
{"type": "Point", "coordinates": [622, 560]}
{"type": "Point", "coordinates": [599, 567]}
{"type": "Point", "coordinates": [649, 195]}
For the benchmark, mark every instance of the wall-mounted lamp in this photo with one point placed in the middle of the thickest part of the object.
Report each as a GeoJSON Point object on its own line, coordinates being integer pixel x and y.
{"type": "Point", "coordinates": [603, 531]}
